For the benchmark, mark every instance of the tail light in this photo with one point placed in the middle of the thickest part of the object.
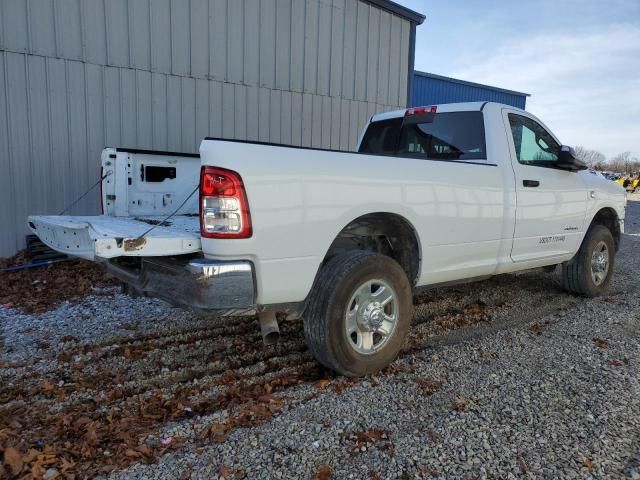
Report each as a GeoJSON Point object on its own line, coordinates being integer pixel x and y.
{"type": "Point", "coordinates": [224, 209]}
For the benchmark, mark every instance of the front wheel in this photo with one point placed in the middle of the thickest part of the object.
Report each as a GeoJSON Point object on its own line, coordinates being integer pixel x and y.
{"type": "Point", "coordinates": [359, 314]}
{"type": "Point", "coordinates": [589, 272]}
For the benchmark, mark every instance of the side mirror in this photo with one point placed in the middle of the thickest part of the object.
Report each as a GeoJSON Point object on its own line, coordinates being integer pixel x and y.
{"type": "Point", "coordinates": [567, 160]}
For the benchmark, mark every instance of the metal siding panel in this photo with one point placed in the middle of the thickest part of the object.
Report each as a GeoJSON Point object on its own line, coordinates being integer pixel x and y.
{"type": "Point", "coordinates": [19, 139]}
{"type": "Point", "coordinates": [77, 129]}
{"type": "Point", "coordinates": [307, 119]}
{"type": "Point", "coordinates": [373, 52]}
{"type": "Point", "coordinates": [39, 132]}
{"type": "Point", "coordinates": [159, 110]}
{"type": "Point", "coordinates": [349, 56]}
{"type": "Point", "coordinates": [363, 116]}
{"type": "Point", "coordinates": [264, 109]}
{"type": "Point", "coordinates": [267, 43]}
{"type": "Point", "coordinates": [326, 122]}
{"type": "Point", "coordinates": [140, 34]}
{"type": "Point", "coordinates": [298, 10]}
{"type": "Point", "coordinates": [252, 42]}
{"type": "Point", "coordinates": [275, 120]}
{"type": "Point", "coordinates": [337, 47]}
{"type": "Point", "coordinates": [324, 48]}
{"type": "Point", "coordinates": [218, 39]}
{"type": "Point", "coordinates": [240, 111]}
{"type": "Point", "coordinates": [235, 34]}
{"type": "Point", "coordinates": [14, 25]}
{"type": "Point", "coordinates": [160, 11]}
{"type": "Point", "coordinates": [180, 40]}
{"type": "Point", "coordinates": [362, 43]}
{"type": "Point", "coordinates": [311, 46]}
{"type": "Point", "coordinates": [59, 132]}
{"type": "Point", "coordinates": [129, 103]}
{"type": "Point", "coordinates": [199, 38]}
{"type": "Point", "coordinates": [188, 131]}
{"type": "Point", "coordinates": [286, 117]}
{"type": "Point", "coordinates": [68, 26]}
{"type": "Point", "coordinates": [202, 110]}
{"type": "Point", "coordinates": [344, 125]}
{"type": "Point", "coordinates": [404, 63]}
{"type": "Point", "coordinates": [316, 122]}
{"type": "Point", "coordinates": [95, 132]}
{"type": "Point", "coordinates": [42, 27]}
{"type": "Point", "coordinates": [283, 44]}
{"type": "Point", "coordinates": [335, 123]}
{"type": "Point", "coordinates": [215, 109]}
{"type": "Point", "coordinates": [94, 31]}
{"type": "Point", "coordinates": [144, 111]}
{"type": "Point", "coordinates": [384, 60]}
{"type": "Point", "coordinates": [228, 110]}
{"type": "Point", "coordinates": [296, 119]}
{"type": "Point", "coordinates": [112, 111]}
{"type": "Point", "coordinates": [8, 244]}
{"type": "Point", "coordinates": [117, 20]}
{"type": "Point", "coordinates": [436, 91]}
{"type": "Point", "coordinates": [174, 109]}
{"type": "Point", "coordinates": [252, 108]}
{"type": "Point", "coordinates": [354, 120]}
{"type": "Point", "coordinates": [394, 66]}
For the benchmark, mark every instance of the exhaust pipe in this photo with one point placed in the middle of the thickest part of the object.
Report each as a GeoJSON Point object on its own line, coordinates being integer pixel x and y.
{"type": "Point", "coordinates": [269, 328]}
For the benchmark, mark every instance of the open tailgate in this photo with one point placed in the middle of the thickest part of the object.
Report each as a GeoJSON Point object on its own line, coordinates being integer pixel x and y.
{"type": "Point", "coordinates": [105, 236]}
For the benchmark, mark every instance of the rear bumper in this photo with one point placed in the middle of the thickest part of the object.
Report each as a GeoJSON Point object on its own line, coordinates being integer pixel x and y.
{"type": "Point", "coordinates": [228, 288]}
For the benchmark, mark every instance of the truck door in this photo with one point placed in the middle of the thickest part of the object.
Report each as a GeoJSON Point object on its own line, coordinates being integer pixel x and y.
{"type": "Point", "coordinates": [551, 203]}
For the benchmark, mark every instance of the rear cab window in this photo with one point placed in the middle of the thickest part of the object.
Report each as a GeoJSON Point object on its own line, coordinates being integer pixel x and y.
{"type": "Point", "coordinates": [455, 136]}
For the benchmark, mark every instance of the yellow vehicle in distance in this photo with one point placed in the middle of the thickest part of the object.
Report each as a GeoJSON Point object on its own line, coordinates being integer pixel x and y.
{"type": "Point", "coordinates": [630, 182]}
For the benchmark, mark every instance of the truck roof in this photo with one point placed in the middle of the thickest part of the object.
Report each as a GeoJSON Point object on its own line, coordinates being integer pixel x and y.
{"type": "Point", "coordinates": [441, 108]}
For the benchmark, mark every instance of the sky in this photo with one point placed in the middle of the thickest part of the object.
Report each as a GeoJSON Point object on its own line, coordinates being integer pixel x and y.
{"type": "Point", "coordinates": [579, 60]}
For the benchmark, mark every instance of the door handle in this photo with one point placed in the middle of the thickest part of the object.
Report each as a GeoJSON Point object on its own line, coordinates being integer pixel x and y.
{"type": "Point", "coordinates": [530, 183]}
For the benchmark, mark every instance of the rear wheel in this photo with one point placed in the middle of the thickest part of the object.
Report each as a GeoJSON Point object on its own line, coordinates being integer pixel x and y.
{"type": "Point", "coordinates": [359, 313]}
{"type": "Point", "coordinates": [589, 272]}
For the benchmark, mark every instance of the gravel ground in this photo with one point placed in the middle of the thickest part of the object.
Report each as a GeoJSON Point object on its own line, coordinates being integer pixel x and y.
{"type": "Point", "coordinates": [508, 378]}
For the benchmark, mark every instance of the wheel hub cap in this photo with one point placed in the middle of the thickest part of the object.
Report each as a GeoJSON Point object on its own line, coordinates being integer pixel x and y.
{"type": "Point", "coordinates": [371, 316]}
{"type": "Point", "coordinates": [600, 263]}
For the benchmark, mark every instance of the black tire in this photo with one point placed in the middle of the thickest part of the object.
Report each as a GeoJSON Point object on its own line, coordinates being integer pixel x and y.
{"type": "Point", "coordinates": [576, 274]}
{"type": "Point", "coordinates": [324, 318]}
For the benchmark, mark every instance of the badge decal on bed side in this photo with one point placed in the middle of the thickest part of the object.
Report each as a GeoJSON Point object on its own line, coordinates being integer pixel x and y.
{"type": "Point", "coordinates": [552, 239]}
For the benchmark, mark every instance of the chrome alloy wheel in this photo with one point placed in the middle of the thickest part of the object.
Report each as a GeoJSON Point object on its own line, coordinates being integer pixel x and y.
{"type": "Point", "coordinates": [600, 263]}
{"type": "Point", "coordinates": [372, 316]}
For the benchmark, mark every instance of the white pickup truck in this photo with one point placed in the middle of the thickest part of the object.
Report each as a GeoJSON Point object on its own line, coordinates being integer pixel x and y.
{"type": "Point", "coordinates": [434, 195]}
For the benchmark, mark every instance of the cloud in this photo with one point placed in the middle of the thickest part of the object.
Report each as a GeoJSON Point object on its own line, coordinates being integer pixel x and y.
{"type": "Point", "coordinates": [585, 84]}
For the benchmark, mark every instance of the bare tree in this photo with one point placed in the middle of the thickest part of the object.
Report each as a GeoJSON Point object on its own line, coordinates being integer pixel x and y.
{"type": "Point", "coordinates": [624, 163]}
{"type": "Point", "coordinates": [592, 158]}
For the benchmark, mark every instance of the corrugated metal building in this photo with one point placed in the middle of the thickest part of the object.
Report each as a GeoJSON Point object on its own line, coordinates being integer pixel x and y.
{"type": "Point", "coordinates": [430, 89]}
{"type": "Point", "coordinates": [78, 75]}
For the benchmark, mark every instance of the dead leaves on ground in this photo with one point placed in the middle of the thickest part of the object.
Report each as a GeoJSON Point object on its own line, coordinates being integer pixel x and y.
{"type": "Point", "coordinates": [323, 473]}
{"type": "Point", "coordinates": [537, 328]}
{"type": "Point", "coordinates": [600, 343]}
{"type": "Point", "coordinates": [428, 386]}
{"type": "Point", "coordinates": [371, 436]}
{"type": "Point", "coordinates": [41, 289]}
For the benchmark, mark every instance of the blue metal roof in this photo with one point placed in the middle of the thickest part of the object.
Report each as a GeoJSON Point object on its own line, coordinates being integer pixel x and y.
{"type": "Point", "coordinates": [431, 89]}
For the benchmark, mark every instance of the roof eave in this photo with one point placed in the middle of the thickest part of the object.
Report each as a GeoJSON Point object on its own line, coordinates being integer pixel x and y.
{"type": "Point", "coordinates": [396, 9]}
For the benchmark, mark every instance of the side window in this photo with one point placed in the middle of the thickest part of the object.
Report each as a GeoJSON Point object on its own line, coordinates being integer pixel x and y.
{"type": "Point", "coordinates": [446, 136]}
{"type": "Point", "coordinates": [533, 144]}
